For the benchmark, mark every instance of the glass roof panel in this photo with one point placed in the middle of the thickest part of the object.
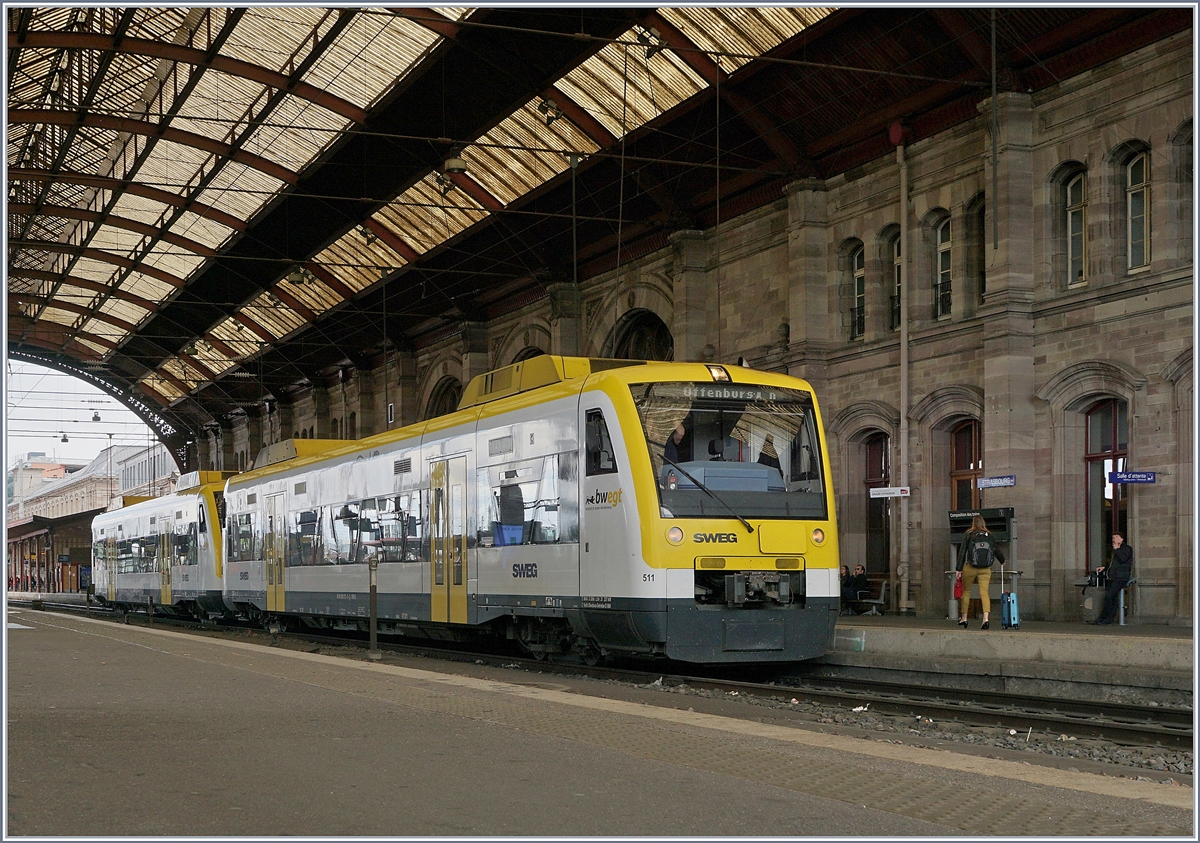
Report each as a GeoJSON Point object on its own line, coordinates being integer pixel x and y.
{"type": "Point", "coordinates": [313, 294]}
{"type": "Point", "coordinates": [740, 31]}
{"type": "Point", "coordinates": [522, 152]}
{"type": "Point", "coordinates": [147, 287]}
{"type": "Point", "coordinates": [370, 57]}
{"type": "Point", "coordinates": [356, 264]}
{"type": "Point", "coordinates": [214, 360]}
{"type": "Point", "coordinates": [615, 87]}
{"type": "Point", "coordinates": [94, 270]}
{"type": "Point", "coordinates": [276, 317]}
{"type": "Point", "coordinates": [240, 190]}
{"type": "Point", "coordinates": [425, 218]}
{"type": "Point", "coordinates": [238, 337]}
{"type": "Point", "coordinates": [126, 310]}
{"type": "Point", "coordinates": [184, 371]}
{"type": "Point", "coordinates": [173, 259]}
{"type": "Point", "coordinates": [99, 349]}
{"type": "Point", "coordinates": [119, 241]}
{"type": "Point", "coordinates": [296, 133]}
{"type": "Point", "coordinates": [157, 383]}
{"type": "Point", "coordinates": [59, 317]}
{"type": "Point", "coordinates": [104, 330]}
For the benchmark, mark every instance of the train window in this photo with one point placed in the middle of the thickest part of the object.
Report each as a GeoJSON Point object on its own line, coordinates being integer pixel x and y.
{"type": "Point", "coordinates": [530, 502]}
{"type": "Point", "coordinates": [184, 543]}
{"type": "Point", "coordinates": [336, 533]}
{"type": "Point", "coordinates": [598, 445]}
{"type": "Point", "coordinates": [243, 546]}
{"type": "Point", "coordinates": [304, 538]}
{"type": "Point", "coordinates": [757, 450]}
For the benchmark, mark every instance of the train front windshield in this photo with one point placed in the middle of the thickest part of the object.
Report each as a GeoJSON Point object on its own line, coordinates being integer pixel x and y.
{"type": "Point", "coordinates": [720, 449]}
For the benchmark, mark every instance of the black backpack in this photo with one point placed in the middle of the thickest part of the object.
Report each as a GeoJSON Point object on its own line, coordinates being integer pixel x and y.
{"type": "Point", "coordinates": [981, 553]}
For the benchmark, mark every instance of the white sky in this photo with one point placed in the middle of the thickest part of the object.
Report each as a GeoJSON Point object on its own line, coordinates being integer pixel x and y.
{"type": "Point", "coordinates": [41, 405]}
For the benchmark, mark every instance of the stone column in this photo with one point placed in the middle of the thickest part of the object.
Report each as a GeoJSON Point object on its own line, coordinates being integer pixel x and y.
{"type": "Point", "coordinates": [321, 401]}
{"type": "Point", "coordinates": [404, 365]}
{"type": "Point", "coordinates": [564, 318]}
{"type": "Point", "coordinates": [810, 314]}
{"type": "Point", "coordinates": [255, 441]}
{"type": "Point", "coordinates": [1007, 314]}
{"type": "Point", "coordinates": [691, 328]}
{"type": "Point", "coordinates": [228, 460]}
{"type": "Point", "coordinates": [474, 351]}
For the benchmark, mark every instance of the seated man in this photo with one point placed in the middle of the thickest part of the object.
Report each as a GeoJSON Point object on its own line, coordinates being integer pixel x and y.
{"type": "Point", "coordinates": [856, 584]}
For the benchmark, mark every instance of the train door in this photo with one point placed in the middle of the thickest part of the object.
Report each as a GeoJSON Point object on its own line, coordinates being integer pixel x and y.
{"type": "Point", "coordinates": [448, 551]}
{"type": "Point", "coordinates": [110, 565]}
{"type": "Point", "coordinates": [602, 519]}
{"type": "Point", "coordinates": [275, 535]}
{"type": "Point", "coordinates": [166, 559]}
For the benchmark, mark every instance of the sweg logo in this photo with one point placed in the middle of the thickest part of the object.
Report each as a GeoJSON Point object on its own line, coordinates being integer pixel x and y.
{"type": "Point", "coordinates": [604, 498]}
{"type": "Point", "coordinates": [525, 570]}
{"type": "Point", "coordinates": [715, 538]}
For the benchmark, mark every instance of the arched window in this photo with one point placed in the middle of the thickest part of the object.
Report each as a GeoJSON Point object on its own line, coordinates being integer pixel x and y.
{"type": "Point", "coordinates": [1107, 451]}
{"type": "Point", "coordinates": [941, 279]}
{"type": "Point", "coordinates": [1137, 210]}
{"type": "Point", "coordinates": [894, 249]}
{"type": "Point", "coordinates": [966, 465]}
{"type": "Point", "coordinates": [333, 429]}
{"type": "Point", "coordinates": [1076, 228]}
{"type": "Point", "coordinates": [858, 313]}
{"type": "Point", "coordinates": [352, 426]}
{"type": "Point", "coordinates": [877, 475]}
{"type": "Point", "coordinates": [445, 398]}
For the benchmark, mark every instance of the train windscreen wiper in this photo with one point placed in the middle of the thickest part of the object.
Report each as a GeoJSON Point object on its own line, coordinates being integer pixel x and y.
{"type": "Point", "coordinates": [710, 493]}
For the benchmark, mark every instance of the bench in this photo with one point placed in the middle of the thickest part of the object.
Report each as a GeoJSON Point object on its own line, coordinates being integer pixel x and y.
{"type": "Point", "coordinates": [866, 605]}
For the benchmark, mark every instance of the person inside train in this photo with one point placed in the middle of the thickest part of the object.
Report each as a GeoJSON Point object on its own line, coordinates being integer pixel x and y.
{"type": "Point", "coordinates": [679, 444]}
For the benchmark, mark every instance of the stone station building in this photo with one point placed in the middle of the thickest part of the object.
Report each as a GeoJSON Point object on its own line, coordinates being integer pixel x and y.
{"type": "Point", "coordinates": [1047, 308]}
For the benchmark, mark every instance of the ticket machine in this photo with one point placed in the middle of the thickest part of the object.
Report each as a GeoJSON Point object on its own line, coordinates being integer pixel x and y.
{"type": "Point", "coordinates": [1002, 524]}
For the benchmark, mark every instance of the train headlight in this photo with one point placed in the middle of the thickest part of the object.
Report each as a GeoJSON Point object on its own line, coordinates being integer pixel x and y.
{"type": "Point", "coordinates": [674, 535]}
{"type": "Point", "coordinates": [818, 536]}
{"type": "Point", "coordinates": [719, 373]}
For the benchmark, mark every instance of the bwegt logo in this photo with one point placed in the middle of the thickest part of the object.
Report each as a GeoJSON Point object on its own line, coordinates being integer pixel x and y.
{"type": "Point", "coordinates": [599, 498]}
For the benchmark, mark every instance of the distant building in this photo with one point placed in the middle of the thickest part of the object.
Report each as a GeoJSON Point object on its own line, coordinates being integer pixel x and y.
{"type": "Point", "coordinates": [32, 472]}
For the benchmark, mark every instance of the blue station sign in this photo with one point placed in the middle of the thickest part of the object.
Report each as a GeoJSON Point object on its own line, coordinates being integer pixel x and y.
{"type": "Point", "coordinates": [1132, 477]}
{"type": "Point", "coordinates": [997, 482]}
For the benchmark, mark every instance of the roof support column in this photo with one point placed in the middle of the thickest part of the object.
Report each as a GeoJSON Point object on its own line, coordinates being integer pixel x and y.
{"type": "Point", "coordinates": [254, 433]}
{"type": "Point", "coordinates": [809, 315]}
{"type": "Point", "coordinates": [321, 403]}
{"type": "Point", "coordinates": [474, 350]}
{"type": "Point", "coordinates": [404, 367]}
{"type": "Point", "coordinates": [1008, 374]}
{"type": "Point", "coordinates": [691, 324]}
{"type": "Point", "coordinates": [228, 448]}
{"type": "Point", "coordinates": [564, 318]}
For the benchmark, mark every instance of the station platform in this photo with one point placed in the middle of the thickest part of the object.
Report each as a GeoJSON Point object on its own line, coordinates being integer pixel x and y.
{"type": "Point", "coordinates": [1131, 663]}
{"type": "Point", "coordinates": [310, 742]}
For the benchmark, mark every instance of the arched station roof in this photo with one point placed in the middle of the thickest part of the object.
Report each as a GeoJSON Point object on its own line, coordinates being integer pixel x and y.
{"type": "Point", "coordinates": [210, 207]}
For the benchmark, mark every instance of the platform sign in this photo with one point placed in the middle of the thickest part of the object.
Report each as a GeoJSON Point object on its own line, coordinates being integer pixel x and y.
{"type": "Point", "coordinates": [64, 557]}
{"type": "Point", "coordinates": [1132, 477]}
{"type": "Point", "coordinates": [890, 492]}
{"type": "Point", "coordinates": [997, 482]}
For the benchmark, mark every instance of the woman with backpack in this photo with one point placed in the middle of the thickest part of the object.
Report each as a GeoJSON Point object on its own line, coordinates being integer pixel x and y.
{"type": "Point", "coordinates": [975, 559]}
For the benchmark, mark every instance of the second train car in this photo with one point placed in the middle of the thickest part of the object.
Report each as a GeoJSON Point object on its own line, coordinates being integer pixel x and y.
{"type": "Point", "coordinates": [576, 505]}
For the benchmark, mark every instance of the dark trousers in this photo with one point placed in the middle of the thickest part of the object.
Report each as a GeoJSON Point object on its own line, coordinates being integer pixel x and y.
{"type": "Point", "coordinates": [1112, 597]}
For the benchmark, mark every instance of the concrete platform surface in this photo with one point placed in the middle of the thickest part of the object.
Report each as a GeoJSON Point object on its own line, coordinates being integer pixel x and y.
{"type": "Point", "coordinates": [124, 731]}
{"type": "Point", "coordinates": [1142, 646]}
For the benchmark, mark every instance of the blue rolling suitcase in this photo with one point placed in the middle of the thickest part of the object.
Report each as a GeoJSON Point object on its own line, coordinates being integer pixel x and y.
{"type": "Point", "coordinates": [1010, 612]}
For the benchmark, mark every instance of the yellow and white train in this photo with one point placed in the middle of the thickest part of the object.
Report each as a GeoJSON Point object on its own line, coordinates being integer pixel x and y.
{"type": "Point", "coordinates": [575, 505]}
{"type": "Point", "coordinates": [165, 551]}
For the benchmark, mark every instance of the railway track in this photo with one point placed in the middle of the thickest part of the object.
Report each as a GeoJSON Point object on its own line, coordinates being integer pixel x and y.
{"type": "Point", "coordinates": [1123, 724]}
